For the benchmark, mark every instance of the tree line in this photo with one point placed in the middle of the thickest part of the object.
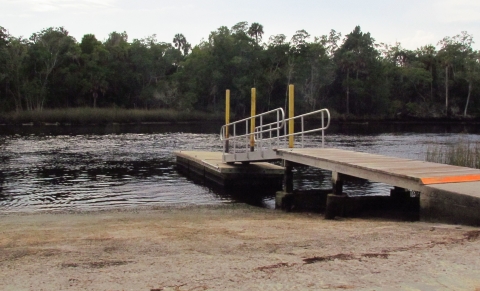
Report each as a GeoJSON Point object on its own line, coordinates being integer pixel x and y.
{"type": "Point", "coordinates": [351, 75]}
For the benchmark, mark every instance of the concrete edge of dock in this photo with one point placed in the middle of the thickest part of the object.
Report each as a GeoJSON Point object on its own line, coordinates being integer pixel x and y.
{"type": "Point", "coordinates": [210, 166]}
{"type": "Point", "coordinates": [454, 203]}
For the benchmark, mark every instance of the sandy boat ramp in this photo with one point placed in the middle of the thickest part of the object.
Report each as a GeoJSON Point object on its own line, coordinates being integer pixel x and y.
{"type": "Point", "coordinates": [232, 247]}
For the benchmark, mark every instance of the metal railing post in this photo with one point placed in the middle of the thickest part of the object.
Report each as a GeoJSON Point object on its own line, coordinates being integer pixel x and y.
{"type": "Point", "coordinates": [234, 141]}
{"type": "Point", "coordinates": [323, 131]}
{"type": "Point", "coordinates": [303, 129]}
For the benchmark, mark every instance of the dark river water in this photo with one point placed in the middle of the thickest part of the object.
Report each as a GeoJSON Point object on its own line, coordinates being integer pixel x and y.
{"type": "Point", "coordinates": [49, 168]}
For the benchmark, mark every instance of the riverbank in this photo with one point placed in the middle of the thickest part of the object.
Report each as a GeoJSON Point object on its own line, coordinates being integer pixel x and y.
{"type": "Point", "coordinates": [101, 116]}
{"type": "Point", "coordinates": [232, 247]}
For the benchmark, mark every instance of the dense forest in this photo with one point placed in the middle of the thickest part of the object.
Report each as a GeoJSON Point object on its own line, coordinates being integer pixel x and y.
{"type": "Point", "coordinates": [351, 75]}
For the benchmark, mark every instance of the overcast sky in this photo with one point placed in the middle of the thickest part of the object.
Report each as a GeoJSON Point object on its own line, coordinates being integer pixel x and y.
{"type": "Point", "coordinates": [413, 23]}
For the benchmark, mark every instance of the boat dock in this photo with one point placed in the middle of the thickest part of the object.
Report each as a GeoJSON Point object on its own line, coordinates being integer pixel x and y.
{"type": "Point", "coordinates": [438, 192]}
{"type": "Point", "coordinates": [209, 165]}
{"type": "Point", "coordinates": [446, 193]}
{"type": "Point", "coordinates": [403, 173]}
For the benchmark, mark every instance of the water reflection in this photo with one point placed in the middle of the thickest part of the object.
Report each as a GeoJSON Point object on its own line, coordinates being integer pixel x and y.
{"type": "Point", "coordinates": [98, 167]}
{"type": "Point", "coordinates": [85, 171]}
{"type": "Point", "coordinates": [255, 196]}
{"type": "Point", "coordinates": [154, 128]}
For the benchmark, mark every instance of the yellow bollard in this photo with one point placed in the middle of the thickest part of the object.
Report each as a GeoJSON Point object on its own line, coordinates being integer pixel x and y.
{"type": "Point", "coordinates": [252, 121]}
{"type": "Point", "coordinates": [227, 118]}
{"type": "Point", "coordinates": [291, 114]}
{"type": "Point", "coordinates": [227, 111]}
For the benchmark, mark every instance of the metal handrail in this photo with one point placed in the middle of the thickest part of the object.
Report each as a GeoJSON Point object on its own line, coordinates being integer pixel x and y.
{"type": "Point", "coordinates": [260, 129]}
{"type": "Point", "coordinates": [246, 120]}
{"type": "Point", "coordinates": [272, 130]}
{"type": "Point", "coordinates": [303, 132]}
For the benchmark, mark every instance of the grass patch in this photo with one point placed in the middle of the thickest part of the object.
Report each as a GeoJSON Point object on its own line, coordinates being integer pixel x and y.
{"type": "Point", "coordinates": [104, 116]}
{"type": "Point", "coordinates": [460, 153]}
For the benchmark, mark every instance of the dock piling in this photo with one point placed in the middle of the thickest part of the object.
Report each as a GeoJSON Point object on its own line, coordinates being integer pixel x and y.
{"type": "Point", "coordinates": [337, 183]}
{"type": "Point", "coordinates": [253, 110]}
{"type": "Point", "coordinates": [335, 206]}
{"type": "Point", "coordinates": [288, 177]}
{"type": "Point", "coordinates": [227, 119]}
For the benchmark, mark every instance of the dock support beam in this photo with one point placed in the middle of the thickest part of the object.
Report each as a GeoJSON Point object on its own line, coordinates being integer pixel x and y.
{"type": "Point", "coordinates": [284, 199]}
{"type": "Point", "coordinates": [288, 177]}
{"type": "Point", "coordinates": [336, 201]}
{"type": "Point", "coordinates": [398, 193]}
{"type": "Point", "coordinates": [337, 183]}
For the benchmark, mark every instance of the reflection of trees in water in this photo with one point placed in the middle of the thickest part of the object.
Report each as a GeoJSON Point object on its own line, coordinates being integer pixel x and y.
{"type": "Point", "coordinates": [92, 171]}
{"type": "Point", "coordinates": [309, 178]}
{"type": "Point", "coordinates": [2, 181]}
{"type": "Point", "coordinates": [155, 128]}
{"type": "Point", "coordinates": [376, 128]}
{"type": "Point", "coordinates": [361, 187]}
{"type": "Point", "coordinates": [53, 162]}
{"type": "Point", "coordinates": [3, 162]}
{"type": "Point", "coordinates": [255, 196]}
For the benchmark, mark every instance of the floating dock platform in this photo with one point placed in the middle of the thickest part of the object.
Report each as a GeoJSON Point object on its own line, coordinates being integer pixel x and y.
{"type": "Point", "coordinates": [209, 165]}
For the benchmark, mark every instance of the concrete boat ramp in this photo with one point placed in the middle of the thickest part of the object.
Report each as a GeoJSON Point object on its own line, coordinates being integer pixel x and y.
{"type": "Point", "coordinates": [444, 193]}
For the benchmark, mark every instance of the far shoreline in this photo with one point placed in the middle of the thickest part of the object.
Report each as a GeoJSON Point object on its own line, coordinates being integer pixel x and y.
{"type": "Point", "coordinates": [121, 116]}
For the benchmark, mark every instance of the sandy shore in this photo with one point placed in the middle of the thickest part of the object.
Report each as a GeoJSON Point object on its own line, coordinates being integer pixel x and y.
{"type": "Point", "coordinates": [232, 248]}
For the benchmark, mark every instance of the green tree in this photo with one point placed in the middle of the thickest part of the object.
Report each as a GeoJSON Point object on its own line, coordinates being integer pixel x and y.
{"type": "Point", "coordinates": [452, 54]}
{"type": "Point", "coordinates": [256, 31]}
{"type": "Point", "coordinates": [201, 79]}
{"type": "Point", "coordinates": [471, 74]}
{"type": "Point", "coordinates": [412, 72]}
{"type": "Point", "coordinates": [94, 71]}
{"type": "Point", "coordinates": [4, 40]}
{"type": "Point", "coordinates": [358, 56]}
{"type": "Point", "coordinates": [319, 71]}
{"type": "Point", "coordinates": [275, 61]}
{"type": "Point", "coordinates": [17, 53]}
{"type": "Point", "coordinates": [240, 27]}
{"type": "Point", "coordinates": [427, 56]}
{"type": "Point", "coordinates": [119, 71]}
{"type": "Point", "coordinates": [296, 49]}
{"type": "Point", "coordinates": [181, 43]}
{"type": "Point", "coordinates": [154, 62]}
{"type": "Point", "coordinates": [49, 49]}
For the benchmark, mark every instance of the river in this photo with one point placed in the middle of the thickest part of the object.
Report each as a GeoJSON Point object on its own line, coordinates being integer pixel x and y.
{"type": "Point", "coordinates": [78, 168]}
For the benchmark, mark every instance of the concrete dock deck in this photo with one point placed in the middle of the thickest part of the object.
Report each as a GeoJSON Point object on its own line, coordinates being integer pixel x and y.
{"type": "Point", "coordinates": [448, 193]}
{"type": "Point", "coordinates": [210, 166]}
{"type": "Point", "coordinates": [405, 173]}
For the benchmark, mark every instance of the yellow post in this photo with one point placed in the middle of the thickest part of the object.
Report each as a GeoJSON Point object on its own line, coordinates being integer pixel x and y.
{"type": "Point", "coordinates": [291, 114]}
{"type": "Point", "coordinates": [252, 121]}
{"type": "Point", "coordinates": [227, 117]}
{"type": "Point", "coordinates": [227, 111]}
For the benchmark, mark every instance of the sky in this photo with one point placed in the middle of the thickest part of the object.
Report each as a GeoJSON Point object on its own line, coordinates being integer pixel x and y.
{"type": "Point", "coordinates": [413, 23]}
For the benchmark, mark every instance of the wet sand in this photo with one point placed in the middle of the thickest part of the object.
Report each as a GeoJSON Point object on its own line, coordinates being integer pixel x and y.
{"type": "Point", "coordinates": [232, 247]}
